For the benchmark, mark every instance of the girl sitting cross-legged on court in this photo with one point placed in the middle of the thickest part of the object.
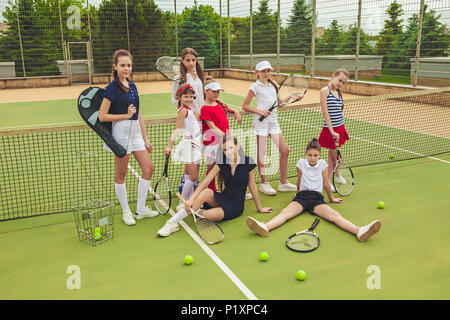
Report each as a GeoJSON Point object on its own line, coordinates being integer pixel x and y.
{"type": "Point", "coordinates": [236, 171]}
{"type": "Point", "coordinates": [312, 177]}
{"type": "Point", "coordinates": [189, 150]}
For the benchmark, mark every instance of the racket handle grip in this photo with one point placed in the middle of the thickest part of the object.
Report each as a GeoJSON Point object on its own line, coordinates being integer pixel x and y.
{"type": "Point", "coordinates": [316, 222]}
{"type": "Point", "coordinates": [270, 110]}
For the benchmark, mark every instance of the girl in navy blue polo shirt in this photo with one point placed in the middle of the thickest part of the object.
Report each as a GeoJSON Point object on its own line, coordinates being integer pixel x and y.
{"type": "Point", "coordinates": [120, 105]}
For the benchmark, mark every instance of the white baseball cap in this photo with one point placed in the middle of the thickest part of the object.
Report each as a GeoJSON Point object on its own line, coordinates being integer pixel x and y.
{"type": "Point", "coordinates": [262, 65]}
{"type": "Point", "coordinates": [214, 86]}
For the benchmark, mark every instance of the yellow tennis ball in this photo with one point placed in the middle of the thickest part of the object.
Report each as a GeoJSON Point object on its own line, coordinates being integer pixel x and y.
{"type": "Point", "coordinates": [188, 259]}
{"type": "Point", "coordinates": [98, 230]}
{"type": "Point", "coordinates": [97, 236]}
{"type": "Point", "coordinates": [391, 156]}
{"type": "Point", "coordinates": [380, 205]}
{"type": "Point", "coordinates": [263, 256]}
{"type": "Point", "coordinates": [301, 275]}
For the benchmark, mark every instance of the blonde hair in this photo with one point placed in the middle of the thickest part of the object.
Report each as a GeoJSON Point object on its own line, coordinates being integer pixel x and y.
{"type": "Point", "coordinates": [341, 70]}
{"type": "Point", "coordinates": [210, 79]}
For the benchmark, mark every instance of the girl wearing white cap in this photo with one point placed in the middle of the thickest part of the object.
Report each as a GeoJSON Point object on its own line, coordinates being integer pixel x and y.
{"type": "Point", "coordinates": [214, 123]}
{"type": "Point", "coordinates": [264, 90]}
{"type": "Point", "coordinates": [189, 150]}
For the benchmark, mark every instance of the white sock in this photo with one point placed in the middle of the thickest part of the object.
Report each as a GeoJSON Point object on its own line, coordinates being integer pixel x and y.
{"type": "Point", "coordinates": [180, 215]}
{"type": "Point", "coordinates": [188, 187]}
{"type": "Point", "coordinates": [121, 192]}
{"type": "Point", "coordinates": [142, 194]}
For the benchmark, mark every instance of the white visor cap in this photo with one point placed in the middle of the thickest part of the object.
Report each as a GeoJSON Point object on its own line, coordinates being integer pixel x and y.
{"type": "Point", "coordinates": [214, 86]}
{"type": "Point", "coordinates": [262, 65]}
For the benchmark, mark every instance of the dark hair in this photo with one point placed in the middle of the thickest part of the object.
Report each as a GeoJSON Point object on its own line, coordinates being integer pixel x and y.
{"type": "Point", "coordinates": [313, 144]}
{"type": "Point", "coordinates": [226, 137]}
{"type": "Point", "coordinates": [117, 54]}
{"type": "Point", "coordinates": [198, 67]}
{"type": "Point", "coordinates": [178, 94]}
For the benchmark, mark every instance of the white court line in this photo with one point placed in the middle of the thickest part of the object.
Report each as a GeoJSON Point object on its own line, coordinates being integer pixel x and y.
{"type": "Point", "coordinates": [230, 274]}
{"type": "Point", "coordinates": [372, 142]}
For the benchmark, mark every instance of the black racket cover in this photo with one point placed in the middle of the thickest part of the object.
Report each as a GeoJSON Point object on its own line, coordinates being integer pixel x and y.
{"type": "Point", "coordinates": [89, 103]}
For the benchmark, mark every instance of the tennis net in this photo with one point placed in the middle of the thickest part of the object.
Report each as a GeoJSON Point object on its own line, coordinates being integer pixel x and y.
{"type": "Point", "coordinates": [38, 166]}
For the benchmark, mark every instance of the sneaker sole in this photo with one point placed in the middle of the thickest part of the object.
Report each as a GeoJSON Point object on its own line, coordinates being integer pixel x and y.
{"type": "Point", "coordinates": [268, 193]}
{"type": "Point", "coordinates": [252, 224]}
{"type": "Point", "coordinates": [140, 217]}
{"type": "Point", "coordinates": [132, 224]}
{"type": "Point", "coordinates": [372, 230]}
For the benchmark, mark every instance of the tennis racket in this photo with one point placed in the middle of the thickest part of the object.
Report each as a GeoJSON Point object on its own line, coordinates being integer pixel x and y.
{"type": "Point", "coordinates": [304, 241]}
{"type": "Point", "coordinates": [209, 231]}
{"type": "Point", "coordinates": [169, 67]}
{"type": "Point", "coordinates": [162, 196]}
{"type": "Point", "coordinates": [285, 88]}
{"type": "Point", "coordinates": [343, 179]}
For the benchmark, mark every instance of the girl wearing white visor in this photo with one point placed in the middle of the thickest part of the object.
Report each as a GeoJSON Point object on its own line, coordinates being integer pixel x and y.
{"type": "Point", "coordinates": [264, 90]}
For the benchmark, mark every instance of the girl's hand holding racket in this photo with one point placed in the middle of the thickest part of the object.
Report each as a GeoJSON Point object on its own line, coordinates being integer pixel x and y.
{"type": "Point", "coordinates": [167, 151]}
{"type": "Point", "coordinates": [335, 136]}
{"type": "Point", "coordinates": [131, 111]}
{"type": "Point", "coordinates": [264, 113]}
{"type": "Point", "coordinates": [148, 146]}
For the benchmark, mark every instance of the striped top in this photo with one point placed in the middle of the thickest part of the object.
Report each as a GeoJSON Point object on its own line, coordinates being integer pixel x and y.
{"type": "Point", "coordinates": [334, 110]}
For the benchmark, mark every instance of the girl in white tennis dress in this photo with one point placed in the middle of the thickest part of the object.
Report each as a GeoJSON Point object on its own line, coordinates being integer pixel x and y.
{"type": "Point", "coordinates": [264, 90]}
{"type": "Point", "coordinates": [189, 150]}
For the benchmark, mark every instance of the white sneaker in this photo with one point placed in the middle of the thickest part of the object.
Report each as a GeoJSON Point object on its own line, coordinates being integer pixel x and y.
{"type": "Point", "coordinates": [366, 232]}
{"type": "Point", "coordinates": [128, 218]}
{"type": "Point", "coordinates": [340, 180]}
{"type": "Point", "coordinates": [287, 187]}
{"type": "Point", "coordinates": [267, 189]}
{"type": "Point", "coordinates": [248, 196]}
{"type": "Point", "coordinates": [259, 227]}
{"type": "Point", "coordinates": [168, 229]}
{"type": "Point", "coordinates": [148, 213]}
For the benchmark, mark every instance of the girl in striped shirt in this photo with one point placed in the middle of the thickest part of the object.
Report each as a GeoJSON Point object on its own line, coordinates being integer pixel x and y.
{"type": "Point", "coordinates": [333, 129]}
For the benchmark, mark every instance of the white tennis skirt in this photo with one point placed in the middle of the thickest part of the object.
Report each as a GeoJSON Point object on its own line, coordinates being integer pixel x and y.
{"type": "Point", "coordinates": [188, 151]}
{"type": "Point", "coordinates": [128, 134]}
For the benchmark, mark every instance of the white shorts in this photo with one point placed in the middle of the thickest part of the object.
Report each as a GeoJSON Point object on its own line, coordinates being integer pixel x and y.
{"type": "Point", "coordinates": [128, 134]}
{"type": "Point", "coordinates": [266, 127]}
{"type": "Point", "coordinates": [210, 151]}
{"type": "Point", "coordinates": [188, 151]}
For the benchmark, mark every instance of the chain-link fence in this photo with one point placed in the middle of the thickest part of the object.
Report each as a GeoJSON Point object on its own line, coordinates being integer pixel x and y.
{"type": "Point", "coordinates": [402, 41]}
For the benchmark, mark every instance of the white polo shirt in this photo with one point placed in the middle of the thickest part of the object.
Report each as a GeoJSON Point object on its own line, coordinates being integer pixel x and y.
{"type": "Point", "coordinates": [197, 85]}
{"type": "Point", "coordinates": [311, 176]}
{"type": "Point", "coordinates": [265, 96]}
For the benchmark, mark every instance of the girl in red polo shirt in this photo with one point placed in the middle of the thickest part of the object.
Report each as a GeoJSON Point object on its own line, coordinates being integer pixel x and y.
{"type": "Point", "coordinates": [214, 123]}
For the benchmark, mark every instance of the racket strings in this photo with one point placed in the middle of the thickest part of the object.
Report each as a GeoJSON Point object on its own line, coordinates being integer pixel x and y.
{"type": "Point", "coordinates": [208, 230]}
{"type": "Point", "coordinates": [162, 196]}
{"type": "Point", "coordinates": [304, 242]}
{"type": "Point", "coordinates": [346, 173]}
{"type": "Point", "coordinates": [168, 65]}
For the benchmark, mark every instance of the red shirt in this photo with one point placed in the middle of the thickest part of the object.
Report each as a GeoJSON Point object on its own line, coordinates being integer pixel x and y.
{"type": "Point", "coordinates": [218, 116]}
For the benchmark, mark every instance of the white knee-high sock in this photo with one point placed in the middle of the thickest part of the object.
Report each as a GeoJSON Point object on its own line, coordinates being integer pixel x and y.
{"type": "Point", "coordinates": [188, 187]}
{"type": "Point", "coordinates": [142, 191]}
{"type": "Point", "coordinates": [180, 215]}
{"type": "Point", "coordinates": [121, 192]}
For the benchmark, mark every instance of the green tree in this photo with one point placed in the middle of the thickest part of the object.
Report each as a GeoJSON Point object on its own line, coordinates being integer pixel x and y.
{"type": "Point", "coordinates": [151, 33]}
{"type": "Point", "coordinates": [264, 29]}
{"type": "Point", "coordinates": [330, 40]}
{"type": "Point", "coordinates": [434, 40]}
{"type": "Point", "coordinates": [194, 31]}
{"type": "Point", "coordinates": [298, 31]}
{"type": "Point", "coordinates": [347, 45]}
{"type": "Point", "coordinates": [392, 28]}
{"type": "Point", "coordinates": [40, 32]}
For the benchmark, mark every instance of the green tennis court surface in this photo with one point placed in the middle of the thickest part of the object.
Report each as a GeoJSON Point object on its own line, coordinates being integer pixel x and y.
{"type": "Point", "coordinates": [410, 250]}
{"type": "Point", "coordinates": [407, 259]}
